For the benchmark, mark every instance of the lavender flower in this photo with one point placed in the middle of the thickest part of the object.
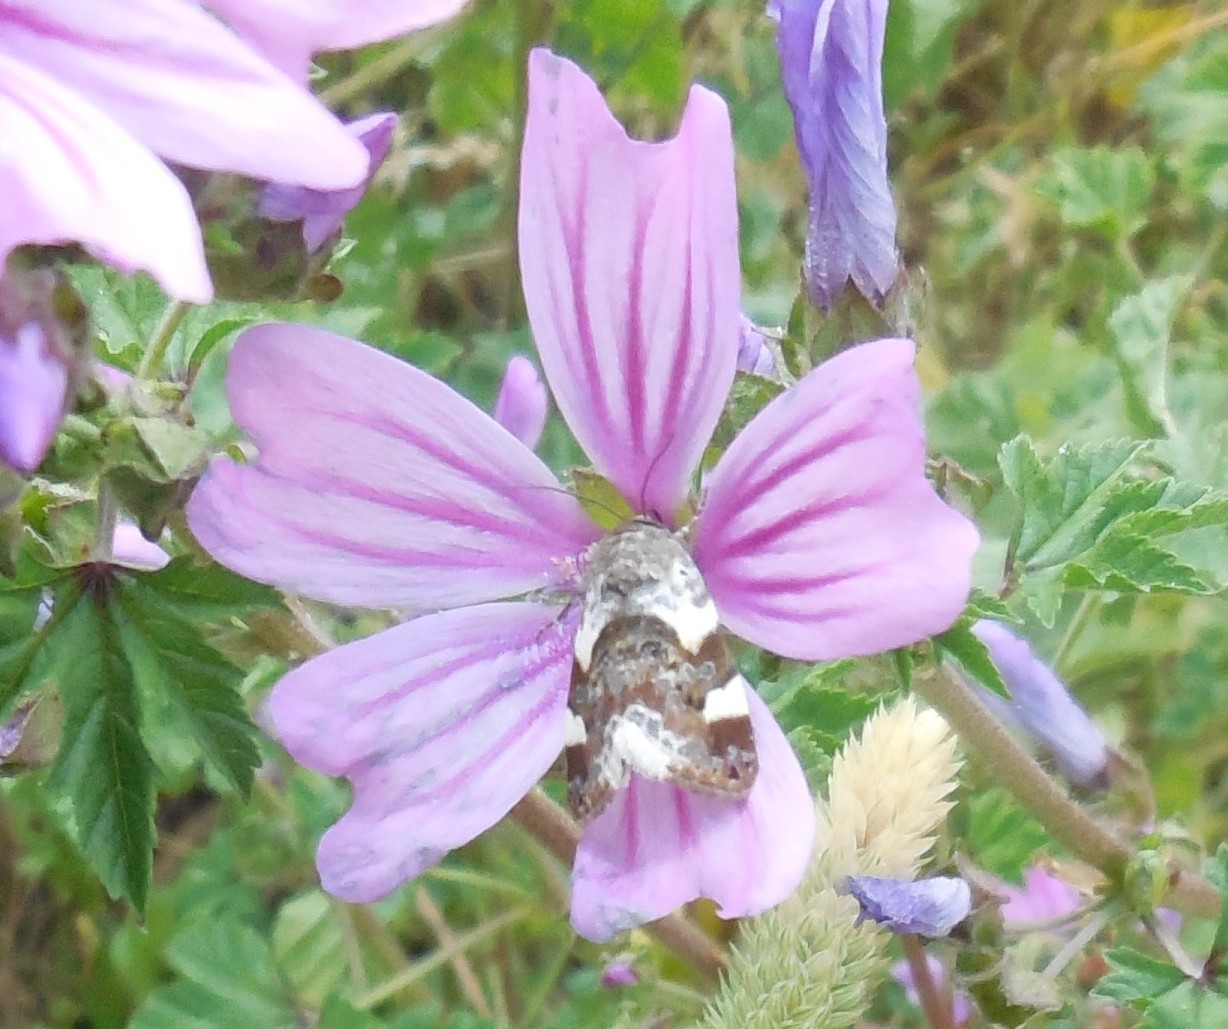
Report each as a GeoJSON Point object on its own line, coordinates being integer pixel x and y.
{"type": "Point", "coordinates": [377, 485]}
{"type": "Point", "coordinates": [831, 57]}
{"type": "Point", "coordinates": [1042, 706]}
{"type": "Point", "coordinates": [619, 972]}
{"type": "Point", "coordinates": [322, 212]}
{"type": "Point", "coordinates": [930, 907]}
{"type": "Point", "coordinates": [521, 406]}
{"type": "Point", "coordinates": [89, 93]}
{"type": "Point", "coordinates": [754, 354]}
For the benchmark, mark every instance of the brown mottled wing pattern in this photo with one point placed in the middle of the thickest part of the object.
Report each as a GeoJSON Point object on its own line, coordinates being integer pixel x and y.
{"type": "Point", "coordinates": [647, 705]}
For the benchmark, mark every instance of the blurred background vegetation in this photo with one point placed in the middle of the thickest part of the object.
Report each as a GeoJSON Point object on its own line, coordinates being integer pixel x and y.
{"type": "Point", "coordinates": [1061, 172]}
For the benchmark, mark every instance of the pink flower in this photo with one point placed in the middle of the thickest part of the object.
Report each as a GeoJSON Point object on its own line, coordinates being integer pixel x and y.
{"type": "Point", "coordinates": [89, 93]}
{"type": "Point", "coordinates": [376, 485]}
{"type": "Point", "coordinates": [1043, 897]}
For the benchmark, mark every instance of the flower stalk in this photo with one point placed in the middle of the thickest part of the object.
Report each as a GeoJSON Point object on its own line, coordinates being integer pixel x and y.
{"type": "Point", "coordinates": [1017, 771]}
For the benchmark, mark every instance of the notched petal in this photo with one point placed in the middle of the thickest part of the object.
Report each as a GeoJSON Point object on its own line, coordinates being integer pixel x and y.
{"type": "Point", "coordinates": [629, 259]}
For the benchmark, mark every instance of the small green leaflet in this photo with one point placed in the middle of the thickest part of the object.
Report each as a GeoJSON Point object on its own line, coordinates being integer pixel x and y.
{"type": "Point", "coordinates": [1168, 998]}
{"type": "Point", "coordinates": [1091, 521]}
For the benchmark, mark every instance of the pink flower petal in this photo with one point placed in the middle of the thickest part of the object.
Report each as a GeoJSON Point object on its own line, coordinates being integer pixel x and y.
{"type": "Point", "coordinates": [290, 31]}
{"type": "Point", "coordinates": [629, 256]}
{"type": "Point", "coordinates": [33, 394]}
{"type": "Point", "coordinates": [521, 405]}
{"type": "Point", "coordinates": [186, 86]}
{"type": "Point", "coordinates": [130, 548]}
{"type": "Point", "coordinates": [321, 211]}
{"type": "Point", "coordinates": [657, 847]}
{"type": "Point", "coordinates": [68, 173]}
{"type": "Point", "coordinates": [442, 724]}
{"type": "Point", "coordinates": [820, 536]}
{"type": "Point", "coordinates": [377, 485]}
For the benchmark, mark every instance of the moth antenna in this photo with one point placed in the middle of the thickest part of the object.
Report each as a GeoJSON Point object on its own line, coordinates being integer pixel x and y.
{"type": "Point", "coordinates": [586, 500]}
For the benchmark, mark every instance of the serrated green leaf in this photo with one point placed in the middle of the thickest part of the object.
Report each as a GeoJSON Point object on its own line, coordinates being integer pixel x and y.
{"type": "Point", "coordinates": [1141, 328]}
{"type": "Point", "coordinates": [1068, 501]}
{"type": "Point", "coordinates": [963, 644]}
{"type": "Point", "coordinates": [1136, 979]}
{"type": "Point", "coordinates": [202, 591]}
{"type": "Point", "coordinates": [1188, 1006]}
{"type": "Point", "coordinates": [985, 605]}
{"type": "Point", "coordinates": [103, 770]}
{"type": "Point", "coordinates": [157, 448]}
{"type": "Point", "coordinates": [1100, 188]}
{"type": "Point", "coordinates": [173, 664]}
{"type": "Point", "coordinates": [228, 982]}
{"type": "Point", "coordinates": [1131, 563]}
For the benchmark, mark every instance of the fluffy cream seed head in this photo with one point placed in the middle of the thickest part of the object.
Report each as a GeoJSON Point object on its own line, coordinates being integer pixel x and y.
{"type": "Point", "coordinates": [807, 962]}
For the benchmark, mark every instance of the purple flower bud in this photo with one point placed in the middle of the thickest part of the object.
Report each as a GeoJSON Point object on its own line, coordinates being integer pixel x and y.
{"type": "Point", "coordinates": [35, 368]}
{"type": "Point", "coordinates": [931, 907]}
{"type": "Point", "coordinates": [521, 407]}
{"type": "Point", "coordinates": [754, 354]}
{"type": "Point", "coordinates": [831, 56]}
{"type": "Point", "coordinates": [1042, 706]}
{"type": "Point", "coordinates": [323, 211]}
{"type": "Point", "coordinates": [619, 973]}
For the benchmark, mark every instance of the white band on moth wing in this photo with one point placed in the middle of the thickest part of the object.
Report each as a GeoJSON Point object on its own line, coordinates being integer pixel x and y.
{"type": "Point", "coordinates": [728, 701]}
{"type": "Point", "coordinates": [645, 755]}
{"type": "Point", "coordinates": [576, 732]}
{"type": "Point", "coordinates": [692, 623]}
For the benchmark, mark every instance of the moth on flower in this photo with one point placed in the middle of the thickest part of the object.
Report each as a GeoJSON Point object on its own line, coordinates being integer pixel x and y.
{"type": "Point", "coordinates": [817, 536]}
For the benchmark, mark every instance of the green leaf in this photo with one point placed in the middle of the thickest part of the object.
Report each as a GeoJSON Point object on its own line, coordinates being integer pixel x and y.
{"type": "Point", "coordinates": [157, 448]}
{"type": "Point", "coordinates": [228, 981]}
{"type": "Point", "coordinates": [1068, 501]}
{"type": "Point", "coordinates": [207, 592]}
{"type": "Point", "coordinates": [103, 770]}
{"type": "Point", "coordinates": [309, 948]}
{"type": "Point", "coordinates": [1135, 979]}
{"type": "Point", "coordinates": [1090, 522]}
{"type": "Point", "coordinates": [917, 50]}
{"type": "Point", "coordinates": [174, 666]}
{"type": "Point", "coordinates": [1141, 328]}
{"type": "Point", "coordinates": [1217, 873]}
{"type": "Point", "coordinates": [1102, 189]}
{"type": "Point", "coordinates": [962, 644]}
{"type": "Point", "coordinates": [1188, 1006]}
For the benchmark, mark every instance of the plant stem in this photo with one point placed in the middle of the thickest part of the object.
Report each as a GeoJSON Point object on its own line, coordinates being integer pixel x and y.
{"type": "Point", "coordinates": [104, 534]}
{"type": "Point", "coordinates": [937, 1011]}
{"type": "Point", "coordinates": [553, 827]}
{"type": "Point", "coordinates": [1018, 772]}
{"type": "Point", "coordinates": [155, 353]}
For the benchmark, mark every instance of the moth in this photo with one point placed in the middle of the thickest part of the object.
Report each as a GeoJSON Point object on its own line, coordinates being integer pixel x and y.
{"type": "Point", "coordinates": [654, 689]}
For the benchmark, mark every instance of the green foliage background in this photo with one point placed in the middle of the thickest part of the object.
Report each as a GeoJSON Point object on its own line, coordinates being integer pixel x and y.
{"type": "Point", "coordinates": [1061, 177]}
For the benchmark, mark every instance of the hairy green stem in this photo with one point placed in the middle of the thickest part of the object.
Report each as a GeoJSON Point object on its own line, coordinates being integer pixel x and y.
{"type": "Point", "coordinates": [108, 512]}
{"type": "Point", "coordinates": [155, 353]}
{"type": "Point", "coordinates": [1018, 772]}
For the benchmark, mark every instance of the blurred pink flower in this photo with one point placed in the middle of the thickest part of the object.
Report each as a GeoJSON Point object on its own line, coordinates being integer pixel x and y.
{"type": "Point", "coordinates": [89, 93]}
{"type": "Point", "coordinates": [377, 485]}
{"type": "Point", "coordinates": [1042, 898]}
